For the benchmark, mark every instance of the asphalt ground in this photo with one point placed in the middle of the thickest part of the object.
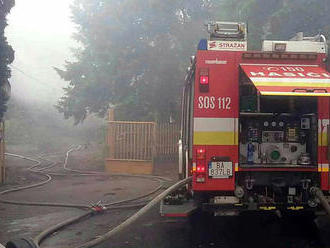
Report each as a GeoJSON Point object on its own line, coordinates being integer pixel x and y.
{"type": "Point", "coordinates": [200, 230]}
{"type": "Point", "coordinates": [28, 221]}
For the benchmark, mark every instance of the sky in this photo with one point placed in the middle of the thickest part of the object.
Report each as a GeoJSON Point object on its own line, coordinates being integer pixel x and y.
{"type": "Point", "coordinates": [40, 33]}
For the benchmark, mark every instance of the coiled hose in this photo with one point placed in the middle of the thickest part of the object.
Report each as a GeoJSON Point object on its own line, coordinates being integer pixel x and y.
{"type": "Point", "coordinates": [118, 228]}
{"type": "Point", "coordinates": [48, 179]}
{"type": "Point", "coordinates": [109, 206]}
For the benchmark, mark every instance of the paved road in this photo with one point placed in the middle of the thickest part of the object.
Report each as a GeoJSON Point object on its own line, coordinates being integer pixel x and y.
{"type": "Point", "coordinates": [223, 232]}
{"type": "Point", "coordinates": [28, 221]}
{"type": "Point", "coordinates": [151, 230]}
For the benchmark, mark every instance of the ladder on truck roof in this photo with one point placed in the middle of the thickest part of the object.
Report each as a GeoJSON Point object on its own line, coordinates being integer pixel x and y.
{"type": "Point", "coordinates": [227, 30]}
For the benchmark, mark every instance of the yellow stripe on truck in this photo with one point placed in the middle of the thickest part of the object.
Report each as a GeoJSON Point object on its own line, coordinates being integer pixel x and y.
{"type": "Point", "coordinates": [215, 138]}
{"type": "Point", "coordinates": [325, 167]}
{"type": "Point", "coordinates": [323, 139]}
{"type": "Point", "coordinates": [323, 132]}
{"type": "Point", "coordinates": [295, 84]}
{"type": "Point", "coordinates": [287, 93]}
{"type": "Point", "coordinates": [215, 131]}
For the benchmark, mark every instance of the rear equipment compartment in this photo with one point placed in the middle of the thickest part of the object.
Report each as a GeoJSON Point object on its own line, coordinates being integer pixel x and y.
{"type": "Point", "coordinates": [276, 131]}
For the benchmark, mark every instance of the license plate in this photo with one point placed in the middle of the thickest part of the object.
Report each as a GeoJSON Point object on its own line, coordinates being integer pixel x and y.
{"type": "Point", "coordinates": [220, 169]}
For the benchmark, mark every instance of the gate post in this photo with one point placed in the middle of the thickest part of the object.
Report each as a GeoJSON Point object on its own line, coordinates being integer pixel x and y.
{"type": "Point", "coordinates": [154, 143]}
{"type": "Point", "coordinates": [111, 134]}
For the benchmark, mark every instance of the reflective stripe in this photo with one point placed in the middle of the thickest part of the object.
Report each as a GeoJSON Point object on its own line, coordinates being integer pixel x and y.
{"type": "Point", "coordinates": [282, 82]}
{"type": "Point", "coordinates": [267, 208]}
{"type": "Point", "coordinates": [236, 130]}
{"type": "Point", "coordinates": [215, 131]}
{"type": "Point", "coordinates": [295, 208]}
{"type": "Point", "coordinates": [236, 166]}
{"type": "Point", "coordinates": [278, 93]}
{"type": "Point", "coordinates": [306, 84]}
{"type": "Point", "coordinates": [215, 138]}
{"type": "Point", "coordinates": [323, 132]}
{"type": "Point", "coordinates": [322, 139]}
{"type": "Point", "coordinates": [323, 168]}
{"type": "Point", "coordinates": [289, 81]}
{"type": "Point", "coordinates": [214, 124]}
{"type": "Point", "coordinates": [325, 122]}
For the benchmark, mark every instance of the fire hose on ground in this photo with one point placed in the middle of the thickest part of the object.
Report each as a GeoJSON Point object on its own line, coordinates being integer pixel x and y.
{"type": "Point", "coordinates": [113, 231]}
{"type": "Point", "coordinates": [48, 179]}
{"type": "Point", "coordinates": [82, 173]}
{"type": "Point", "coordinates": [34, 243]}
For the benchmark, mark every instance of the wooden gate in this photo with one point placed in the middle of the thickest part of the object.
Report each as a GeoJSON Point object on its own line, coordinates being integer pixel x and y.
{"type": "Point", "coordinates": [167, 140]}
{"type": "Point", "coordinates": [132, 140]}
{"type": "Point", "coordinates": [132, 147]}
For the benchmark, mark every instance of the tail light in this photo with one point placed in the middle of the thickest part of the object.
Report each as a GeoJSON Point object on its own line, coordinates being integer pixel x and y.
{"type": "Point", "coordinates": [200, 168]}
{"type": "Point", "coordinates": [200, 153]}
{"type": "Point", "coordinates": [204, 80]}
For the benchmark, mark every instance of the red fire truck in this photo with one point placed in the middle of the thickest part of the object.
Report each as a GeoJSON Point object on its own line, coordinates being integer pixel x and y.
{"type": "Point", "coordinates": [255, 123]}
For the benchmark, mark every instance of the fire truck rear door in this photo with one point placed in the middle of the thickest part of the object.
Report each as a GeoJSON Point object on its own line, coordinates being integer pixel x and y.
{"type": "Point", "coordinates": [299, 80]}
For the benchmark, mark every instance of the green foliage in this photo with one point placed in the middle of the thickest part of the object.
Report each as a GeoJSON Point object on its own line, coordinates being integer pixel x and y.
{"type": "Point", "coordinates": [133, 56]}
{"type": "Point", "coordinates": [278, 19]}
{"type": "Point", "coordinates": [6, 56]}
{"type": "Point", "coordinates": [134, 53]}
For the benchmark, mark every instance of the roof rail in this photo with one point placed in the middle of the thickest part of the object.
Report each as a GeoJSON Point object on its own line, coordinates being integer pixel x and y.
{"type": "Point", "coordinates": [317, 38]}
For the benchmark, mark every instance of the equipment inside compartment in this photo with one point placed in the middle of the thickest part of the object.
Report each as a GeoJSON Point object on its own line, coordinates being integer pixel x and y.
{"type": "Point", "coordinates": [283, 132]}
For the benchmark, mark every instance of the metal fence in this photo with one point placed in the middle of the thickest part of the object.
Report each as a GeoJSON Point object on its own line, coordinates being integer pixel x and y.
{"type": "Point", "coordinates": [129, 140]}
